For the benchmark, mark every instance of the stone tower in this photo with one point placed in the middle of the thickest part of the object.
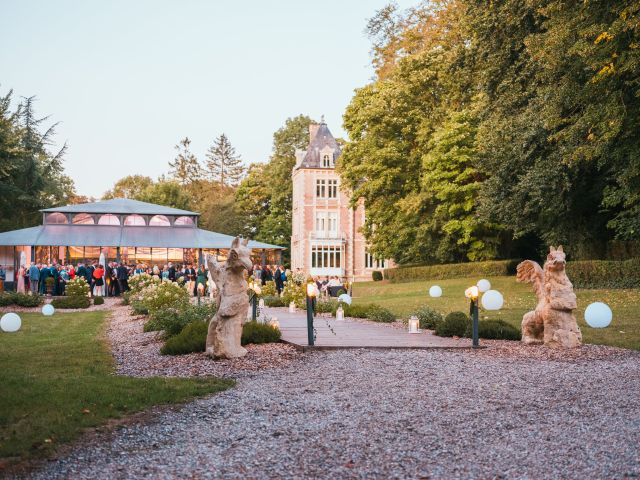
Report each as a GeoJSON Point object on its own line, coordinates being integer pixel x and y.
{"type": "Point", "coordinates": [325, 237]}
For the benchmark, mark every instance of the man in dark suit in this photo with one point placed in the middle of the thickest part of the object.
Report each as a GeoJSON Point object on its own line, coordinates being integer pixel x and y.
{"type": "Point", "coordinates": [81, 271]}
{"type": "Point", "coordinates": [277, 276]}
{"type": "Point", "coordinates": [89, 277]}
{"type": "Point", "coordinates": [123, 278]}
{"type": "Point", "coordinates": [172, 272]}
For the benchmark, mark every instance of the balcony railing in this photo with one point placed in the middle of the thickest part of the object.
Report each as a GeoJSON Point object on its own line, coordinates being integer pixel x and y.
{"type": "Point", "coordinates": [327, 235]}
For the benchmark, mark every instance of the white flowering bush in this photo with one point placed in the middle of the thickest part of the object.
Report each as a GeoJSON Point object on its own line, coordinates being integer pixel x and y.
{"type": "Point", "coordinates": [139, 282]}
{"type": "Point", "coordinates": [295, 290]}
{"type": "Point", "coordinates": [163, 296]}
{"type": "Point", "coordinates": [78, 287]}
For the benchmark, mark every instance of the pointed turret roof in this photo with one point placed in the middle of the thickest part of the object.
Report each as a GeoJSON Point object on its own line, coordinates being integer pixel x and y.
{"type": "Point", "coordinates": [320, 141]}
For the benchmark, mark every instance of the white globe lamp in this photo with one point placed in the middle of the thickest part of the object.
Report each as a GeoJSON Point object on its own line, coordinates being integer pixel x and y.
{"type": "Point", "coordinates": [484, 285]}
{"type": "Point", "coordinates": [435, 291]}
{"type": "Point", "coordinates": [48, 310]}
{"type": "Point", "coordinates": [598, 315]}
{"type": "Point", "coordinates": [10, 322]}
{"type": "Point", "coordinates": [492, 300]}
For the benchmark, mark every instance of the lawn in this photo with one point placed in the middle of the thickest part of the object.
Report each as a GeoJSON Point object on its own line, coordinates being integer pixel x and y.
{"type": "Point", "coordinates": [403, 298]}
{"type": "Point", "coordinates": [57, 378]}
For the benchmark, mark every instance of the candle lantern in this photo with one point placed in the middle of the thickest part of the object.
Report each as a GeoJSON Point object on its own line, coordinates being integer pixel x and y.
{"type": "Point", "coordinates": [414, 323]}
{"type": "Point", "coordinates": [340, 313]}
{"type": "Point", "coordinates": [274, 322]}
{"type": "Point", "coordinates": [292, 307]}
{"type": "Point", "coordinates": [261, 303]}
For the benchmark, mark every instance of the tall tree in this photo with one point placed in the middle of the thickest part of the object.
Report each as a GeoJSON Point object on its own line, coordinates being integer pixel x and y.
{"type": "Point", "coordinates": [185, 168]}
{"type": "Point", "coordinates": [224, 165]}
{"type": "Point", "coordinates": [130, 186]}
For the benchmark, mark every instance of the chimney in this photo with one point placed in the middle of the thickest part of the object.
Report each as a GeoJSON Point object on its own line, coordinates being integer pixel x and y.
{"type": "Point", "coordinates": [313, 129]}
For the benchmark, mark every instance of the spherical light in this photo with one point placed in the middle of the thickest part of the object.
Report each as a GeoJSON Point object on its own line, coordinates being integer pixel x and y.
{"type": "Point", "coordinates": [345, 298]}
{"type": "Point", "coordinates": [598, 315]}
{"type": "Point", "coordinates": [10, 322]}
{"type": "Point", "coordinates": [492, 300]}
{"type": "Point", "coordinates": [435, 291]}
{"type": "Point", "coordinates": [484, 285]}
{"type": "Point", "coordinates": [48, 310]}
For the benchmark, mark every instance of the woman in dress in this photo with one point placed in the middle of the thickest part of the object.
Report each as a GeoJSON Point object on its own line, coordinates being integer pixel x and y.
{"type": "Point", "coordinates": [98, 273]}
{"type": "Point", "coordinates": [21, 276]}
{"type": "Point", "coordinates": [202, 280]}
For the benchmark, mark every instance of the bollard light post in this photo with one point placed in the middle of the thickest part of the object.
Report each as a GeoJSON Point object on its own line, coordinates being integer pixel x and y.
{"type": "Point", "coordinates": [255, 289]}
{"type": "Point", "coordinates": [472, 294]}
{"type": "Point", "coordinates": [311, 294]}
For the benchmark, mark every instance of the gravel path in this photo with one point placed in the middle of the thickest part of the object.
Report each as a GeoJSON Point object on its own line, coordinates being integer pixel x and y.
{"type": "Point", "coordinates": [393, 414]}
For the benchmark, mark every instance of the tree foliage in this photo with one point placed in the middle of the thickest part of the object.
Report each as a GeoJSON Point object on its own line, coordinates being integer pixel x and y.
{"type": "Point", "coordinates": [31, 175]}
{"type": "Point", "coordinates": [224, 165]}
{"type": "Point", "coordinates": [493, 128]}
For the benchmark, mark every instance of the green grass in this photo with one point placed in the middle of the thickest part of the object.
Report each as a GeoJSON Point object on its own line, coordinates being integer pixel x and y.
{"type": "Point", "coordinates": [403, 298]}
{"type": "Point", "coordinates": [57, 378]}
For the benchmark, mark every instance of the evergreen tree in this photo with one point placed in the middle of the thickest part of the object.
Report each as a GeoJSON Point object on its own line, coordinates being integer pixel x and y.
{"type": "Point", "coordinates": [224, 165]}
{"type": "Point", "coordinates": [185, 167]}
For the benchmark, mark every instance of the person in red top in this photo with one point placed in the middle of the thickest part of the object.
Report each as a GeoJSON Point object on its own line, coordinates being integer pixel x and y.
{"type": "Point", "coordinates": [98, 273]}
{"type": "Point", "coordinates": [71, 271]}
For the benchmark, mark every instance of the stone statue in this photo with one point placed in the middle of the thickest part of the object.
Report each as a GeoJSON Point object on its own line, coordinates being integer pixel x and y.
{"type": "Point", "coordinates": [225, 329]}
{"type": "Point", "coordinates": [552, 322]}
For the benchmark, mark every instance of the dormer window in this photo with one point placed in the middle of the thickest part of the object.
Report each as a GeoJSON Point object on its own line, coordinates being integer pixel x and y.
{"type": "Point", "coordinates": [326, 161]}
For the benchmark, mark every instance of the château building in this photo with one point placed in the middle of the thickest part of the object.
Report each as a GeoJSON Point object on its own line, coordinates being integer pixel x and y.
{"type": "Point", "coordinates": [326, 239]}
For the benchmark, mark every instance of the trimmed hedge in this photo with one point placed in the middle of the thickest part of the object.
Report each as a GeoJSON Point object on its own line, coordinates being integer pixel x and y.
{"type": "Point", "coordinates": [455, 324]}
{"type": "Point", "coordinates": [192, 338]}
{"type": "Point", "coordinates": [172, 321]}
{"type": "Point", "coordinates": [256, 333]}
{"type": "Point", "coordinates": [71, 302]}
{"type": "Point", "coordinates": [496, 330]}
{"type": "Point", "coordinates": [98, 301]}
{"type": "Point", "coordinates": [376, 275]}
{"type": "Point", "coordinates": [326, 305]}
{"type": "Point", "coordinates": [604, 273]}
{"type": "Point", "coordinates": [451, 270]}
{"type": "Point", "coordinates": [20, 299]}
{"type": "Point", "coordinates": [380, 314]}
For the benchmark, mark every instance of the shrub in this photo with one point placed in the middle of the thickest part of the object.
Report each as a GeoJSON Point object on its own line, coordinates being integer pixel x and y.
{"type": "Point", "coordinates": [326, 305]}
{"type": "Point", "coordinates": [98, 301]}
{"type": "Point", "coordinates": [139, 282]}
{"type": "Point", "coordinates": [353, 311]}
{"type": "Point", "coordinates": [78, 287]}
{"type": "Point", "coordinates": [254, 332]}
{"type": "Point", "coordinates": [6, 299]}
{"type": "Point", "coordinates": [453, 270]}
{"type": "Point", "coordinates": [496, 330]}
{"type": "Point", "coordinates": [165, 295]}
{"type": "Point", "coordinates": [173, 321]}
{"type": "Point", "coordinates": [604, 273]}
{"type": "Point", "coordinates": [271, 301]}
{"type": "Point", "coordinates": [376, 275]}
{"type": "Point", "coordinates": [294, 292]}
{"type": "Point", "coordinates": [71, 302]}
{"type": "Point", "coordinates": [192, 338]}
{"type": "Point", "coordinates": [126, 298]}
{"type": "Point", "coordinates": [380, 314]}
{"type": "Point", "coordinates": [269, 289]}
{"type": "Point", "coordinates": [454, 325]}
{"type": "Point", "coordinates": [26, 300]}
{"type": "Point", "coordinates": [428, 317]}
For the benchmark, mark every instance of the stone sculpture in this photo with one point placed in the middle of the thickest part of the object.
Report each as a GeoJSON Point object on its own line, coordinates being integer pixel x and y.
{"type": "Point", "coordinates": [225, 329]}
{"type": "Point", "coordinates": [552, 321]}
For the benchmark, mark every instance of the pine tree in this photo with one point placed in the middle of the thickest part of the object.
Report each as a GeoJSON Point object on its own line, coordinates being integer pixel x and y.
{"type": "Point", "coordinates": [224, 165]}
{"type": "Point", "coordinates": [185, 168]}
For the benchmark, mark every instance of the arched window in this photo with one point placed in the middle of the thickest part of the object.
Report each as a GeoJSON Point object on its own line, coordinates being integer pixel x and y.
{"type": "Point", "coordinates": [159, 221]}
{"type": "Point", "coordinates": [325, 161]}
{"type": "Point", "coordinates": [83, 219]}
{"type": "Point", "coordinates": [135, 220]}
{"type": "Point", "coordinates": [108, 219]}
{"type": "Point", "coordinates": [184, 222]}
{"type": "Point", "coordinates": [56, 218]}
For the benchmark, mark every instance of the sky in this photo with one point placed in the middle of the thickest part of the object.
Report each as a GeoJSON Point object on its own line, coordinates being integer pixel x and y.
{"type": "Point", "coordinates": [128, 79]}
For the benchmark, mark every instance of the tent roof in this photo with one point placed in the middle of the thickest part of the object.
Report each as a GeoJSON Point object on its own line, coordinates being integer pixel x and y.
{"type": "Point", "coordinates": [122, 236]}
{"type": "Point", "coordinates": [122, 206]}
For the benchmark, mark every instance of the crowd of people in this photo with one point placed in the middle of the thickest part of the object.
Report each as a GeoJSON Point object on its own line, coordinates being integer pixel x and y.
{"type": "Point", "coordinates": [112, 279]}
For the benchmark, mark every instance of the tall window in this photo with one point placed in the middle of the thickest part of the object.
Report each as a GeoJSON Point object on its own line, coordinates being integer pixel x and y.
{"type": "Point", "coordinates": [332, 222]}
{"type": "Point", "coordinates": [326, 161]}
{"type": "Point", "coordinates": [372, 262]}
{"type": "Point", "coordinates": [326, 188]}
{"type": "Point", "coordinates": [321, 221]}
{"type": "Point", "coordinates": [323, 256]}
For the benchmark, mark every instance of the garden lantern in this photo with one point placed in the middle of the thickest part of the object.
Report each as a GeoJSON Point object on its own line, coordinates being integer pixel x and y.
{"type": "Point", "coordinates": [472, 294]}
{"type": "Point", "coordinates": [340, 313]}
{"type": "Point", "coordinates": [414, 323]}
{"type": "Point", "coordinates": [274, 322]}
{"type": "Point", "coordinates": [311, 295]}
{"type": "Point", "coordinates": [292, 307]}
